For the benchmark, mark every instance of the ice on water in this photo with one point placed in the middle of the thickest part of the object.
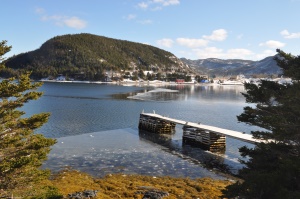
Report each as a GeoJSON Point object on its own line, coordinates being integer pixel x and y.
{"type": "Point", "coordinates": [157, 94]}
{"type": "Point", "coordinates": [166, 90]}
{"type": "Point", "coordinates": [101, 153]}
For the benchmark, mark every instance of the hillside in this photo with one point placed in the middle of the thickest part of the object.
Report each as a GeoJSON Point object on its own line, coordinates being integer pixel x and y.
{"type": "Point", "coordinates": [91, 56]}
{"type": "Point", "coordinates": [220, 67]}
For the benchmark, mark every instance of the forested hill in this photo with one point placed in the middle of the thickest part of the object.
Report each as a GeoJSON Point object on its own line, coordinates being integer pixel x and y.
{"type": "Point", "coordinates": [90, 55]}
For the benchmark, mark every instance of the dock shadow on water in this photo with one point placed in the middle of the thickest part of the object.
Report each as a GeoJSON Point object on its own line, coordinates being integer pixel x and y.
{"type": "Point", "coordinates": [188, 151]}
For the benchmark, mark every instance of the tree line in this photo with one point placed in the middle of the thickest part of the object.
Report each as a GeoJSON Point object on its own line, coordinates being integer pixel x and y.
{"type": "Point", "coordinates": [88, 54]}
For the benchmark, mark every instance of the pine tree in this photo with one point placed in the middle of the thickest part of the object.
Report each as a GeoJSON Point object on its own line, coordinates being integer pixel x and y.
{"type": "Point", "coordinates": [3, 50]}
{"type": "Point", "coordinates": [273, 167]}
{"type": "Point", "coordinates": [22, 151]}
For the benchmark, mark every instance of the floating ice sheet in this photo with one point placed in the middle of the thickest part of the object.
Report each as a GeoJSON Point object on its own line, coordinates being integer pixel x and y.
{"type": "Point", "coordinates": [157, 94]}
{"type": "Point", "coordinates": [166, 90]}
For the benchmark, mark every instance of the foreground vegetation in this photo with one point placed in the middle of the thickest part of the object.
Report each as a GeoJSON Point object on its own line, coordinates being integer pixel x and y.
{"type": "Point", "coordinates": [273, 168]}
{"type": "Point", "coordinates": [22, 151]}
{"type": "Point", "coordinates": [121, 186]}
{"type": "Point", "coordinates": [127, 186]}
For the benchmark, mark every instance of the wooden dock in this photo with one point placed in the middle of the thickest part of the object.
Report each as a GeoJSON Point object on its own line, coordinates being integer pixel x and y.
{"type": "Point", "coordinates": [210, 137]}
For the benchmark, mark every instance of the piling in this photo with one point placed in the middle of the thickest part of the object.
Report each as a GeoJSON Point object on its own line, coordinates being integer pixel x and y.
{"type": "Point", "coordinates": [156, 125]}
{"type": "Point", "coordinates": [209, 137]}
{"type": "Point", "coordinates": [205, 139]}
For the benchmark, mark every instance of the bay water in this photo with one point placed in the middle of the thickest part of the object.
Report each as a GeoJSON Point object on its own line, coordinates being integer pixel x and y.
{"type": "Point", "coordinates": [96, 127]}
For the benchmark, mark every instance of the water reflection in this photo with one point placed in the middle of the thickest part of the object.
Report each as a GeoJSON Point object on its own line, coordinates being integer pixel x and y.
{"type": "Point", "coordinates": [187, 151]}
{"type": "Point", "coordinates": [187, 92]}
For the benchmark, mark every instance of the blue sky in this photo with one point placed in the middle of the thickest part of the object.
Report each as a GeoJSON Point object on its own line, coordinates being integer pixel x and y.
{"type": "Point", "coordinates": [194, 29]}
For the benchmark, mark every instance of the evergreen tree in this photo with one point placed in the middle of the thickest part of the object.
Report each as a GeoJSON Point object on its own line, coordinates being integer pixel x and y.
{"type": "Point", "coordinates": [21, 150]}
{"type": "Point", "coordinates": [273, 167]}
{"type": "Point", "coordinates": [3, 50]}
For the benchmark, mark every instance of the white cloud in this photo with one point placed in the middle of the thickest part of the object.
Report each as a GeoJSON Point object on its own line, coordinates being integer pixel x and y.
{"type": "Point", "coordinates": [165, 42]}
{"type": "Point", "coordinates": [238, 53]}
{"type": "Point", "coordinates": [143, 5]}
{"type": "Point", "coordinates": [60, 20]}
{"type": "Point", "coordinates": [49, 18]}
{"type": "Point", "coordinates": [284, 33]}
{"type": "Point", "coordinates": [217, 35]}
{"type": "Point", "coordinates": [213, 52]}
{"type": "Point", "coordinates": [167, 2]}
{"type": "Point", "coordinates": [272, 44]}
{"type": "Point", "coordinates": [209, 52]}
{"type": "Point", "coordinates": [288, 35]}
{"type": "Point", "coordinates": [72, 22]}
{"type": "Point", "coordinates": [265, 54]}
{"type": "Point", "coordinates": [157, 4]}
{"type": "Point", "coordinates": [145, 22]}
{"type": "Point", "coordinates": [130, 17]}
{"type": "Point", "coordinates": [192, 43]}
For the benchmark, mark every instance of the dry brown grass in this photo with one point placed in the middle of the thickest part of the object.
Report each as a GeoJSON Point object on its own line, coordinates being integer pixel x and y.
{"type": "Point", "coordinates": [125, 186]}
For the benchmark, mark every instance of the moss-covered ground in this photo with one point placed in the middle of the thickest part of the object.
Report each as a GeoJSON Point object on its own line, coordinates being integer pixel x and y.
{"type": "Point", "coordinates": [127, 186]}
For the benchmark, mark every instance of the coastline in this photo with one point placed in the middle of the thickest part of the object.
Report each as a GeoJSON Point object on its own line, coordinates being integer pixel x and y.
{"type": "Point", "coordinates": [123, 82]}
{"type": "Point", "coordinates": [158, 82]}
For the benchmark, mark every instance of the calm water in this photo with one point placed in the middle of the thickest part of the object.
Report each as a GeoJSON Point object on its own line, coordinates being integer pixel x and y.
{"type": "Point", "coordinates": [96, 127]}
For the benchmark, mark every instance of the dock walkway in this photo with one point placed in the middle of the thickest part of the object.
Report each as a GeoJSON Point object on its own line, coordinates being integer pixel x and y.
{"type": "Point", "coordinates": [220, 131]}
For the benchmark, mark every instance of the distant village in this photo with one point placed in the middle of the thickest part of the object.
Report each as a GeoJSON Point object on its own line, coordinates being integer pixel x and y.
{"type": "Point", "coordinates": [151, 77]}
